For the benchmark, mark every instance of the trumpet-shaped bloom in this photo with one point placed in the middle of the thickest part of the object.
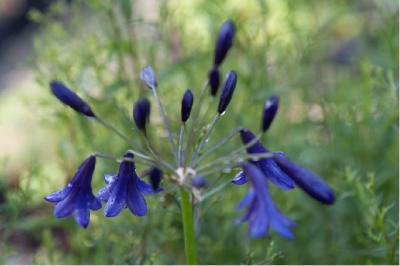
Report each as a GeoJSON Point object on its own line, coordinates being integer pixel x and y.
{"type": "Point", "coordinates": [262, 212]}
{"type": "Point", "coordinates": [267, 165]}
{"type": "Point", "coordinates": [124, 189]}
{"type": "Point", "coordinates": [77, 196]}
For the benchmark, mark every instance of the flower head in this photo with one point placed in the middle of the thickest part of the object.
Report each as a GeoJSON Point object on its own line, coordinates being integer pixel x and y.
{"type": "Point", "coordinates": [148, 76]}
{"type": "Point", "coordinates": [70, 98]}
{"type": "Point", "coordinates": [262, 211]}
{"type": "Point", "coordinates": [267, 165]}
{"type": "Point", "coordinates": [227, 91]}
{"type": "Point", "coordinates": [141, 113]}
{"type": "Point", "coordinates": [199, 181]}
{"type": "Point", "coordinates": [77, 196]}
{"type": "Point", "coordinates": [269, 112]}
{"type": "Point", "coordinates": [213, 79]}
{"type": "Point", "coordinates": [224, 41]}
{"type": "Point", "coordinates": [315, 186]}
{"type": "Point", "coordinates": [187, 103]}
{"type": "Point", "coordinates": [124, 189]}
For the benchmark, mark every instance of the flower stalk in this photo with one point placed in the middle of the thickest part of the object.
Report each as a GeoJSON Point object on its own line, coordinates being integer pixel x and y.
{"type": "Point", "coordinates": [188, 227]}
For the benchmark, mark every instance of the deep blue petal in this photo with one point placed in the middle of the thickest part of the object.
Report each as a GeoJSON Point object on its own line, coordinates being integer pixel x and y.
{"type": "Point", "coordinates": [240, 179]}
{"type": "Point", "coordinates": [59, 195]}
{"type": "Point", "coordinates": [94, 203]}
{"type": "Point", "coordinates": [82, 213]}
{"type": "Point", "coordinates": [246, 200]}
{"type": "Point", "coordinates": [275, 174]}
{"type": "Point", "coordinates": [135, 200]}
{"type": "Point", "coordinates": [117, 199]}
{"type": "Point", "coordinates": [146, 188]}
{"type": "Point", "coordinates": [258, 222]}
{"type": "Point", "coordinates": [66, 206]}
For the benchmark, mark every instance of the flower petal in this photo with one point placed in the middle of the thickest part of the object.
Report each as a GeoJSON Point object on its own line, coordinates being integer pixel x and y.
{"type": "Point", "coordinates": [82, 216]}
{"type": "Point", "coordinates": [135, 201]}
{"type": "Point", "coordinates": [66, 206]}
{"type": "Point", "coordinates": [239, 179]}
{"type": "Point", "coordinates": [117, 200]}
{"type": "Point", "coordinates": [146, 188]}
{"type": "Point", "coordinates": [246, 200]}
{"type": "Point", "coordinates": [275, 174]}
{"type": "Point", "coordinates": [59, 195]}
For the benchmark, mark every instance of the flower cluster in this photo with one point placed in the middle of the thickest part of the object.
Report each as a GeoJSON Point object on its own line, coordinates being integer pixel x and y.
{"type": "Point", "coordinates": [258, 167]}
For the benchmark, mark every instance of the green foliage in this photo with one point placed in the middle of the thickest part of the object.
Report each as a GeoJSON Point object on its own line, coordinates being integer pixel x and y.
{"type": "Point", "coordinates": [334, 65]}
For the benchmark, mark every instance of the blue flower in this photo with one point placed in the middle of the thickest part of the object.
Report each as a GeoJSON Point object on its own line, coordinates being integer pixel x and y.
{"type": "Point", "coordinates": [262, 212]}
{"type": "Point", "coordinates": [267, 165]}
{"type": "Point", "coordinates": [213, 79]}
{"type": "Point", "coordinates": [125, 189]}
{"type": "Point", "coordinates": [77, 196]}
{"type": "Point", "coordinates": [269, 112]}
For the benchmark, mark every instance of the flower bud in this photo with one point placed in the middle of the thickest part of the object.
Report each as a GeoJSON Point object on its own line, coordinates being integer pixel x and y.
{"type": "Point", "coordinates": [315, 186]}
{"type": "Point", "coordinates": [213, 79]}
{"type": "Point", "coordinates": [148, 76]}
{"type": "Point", "coordinates": [141, 113]}
{"type": "Point", "coordinates": [224, 41]}
{"type": "Point", "coordinates": [155, 176]}
{"type": "Point", "coordinates": [199, 181]}
{"type": "Point", "coordinates": [187, 103]}
{"type": "Point", "coordinates": [70, 98]}
{"type": "Point", "coordinates": [227, 91]}
{"type": "Point", "coordinates": [269, 112]}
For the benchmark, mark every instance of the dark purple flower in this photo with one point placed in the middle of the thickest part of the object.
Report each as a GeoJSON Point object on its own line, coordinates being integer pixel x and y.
{"type": "Point", "coordinates": [262, 212]}
{"type": "Point", "coordinates": [199, 181]}
{"type": "Point", "coordinates": [315, 186]}
{"type": "Point", "coordinates": [148, 76]}
{"type": "Point", "coordinates": [70, 98]}
{"type": "Point", "coordinates": [124, 189]}
{"type": "Point", "coordinates": [227, 91]}
{"type": "Point", "coordinates": [267, 165]}
{"type": "Point", "coordinates": [77, 196]}
{"type": "Point", "coordinates": [187, 103]}
{"type": "Point", "coordinates": [269, 112]}
{"type": "Point", "coordinates": [155, 176]}
{"type": "Point", "coordinates": [141, 113]}
{"type": "Point", "coordinates": [224, 41]}
{"type": "Point", "coordinates": [213, 79]}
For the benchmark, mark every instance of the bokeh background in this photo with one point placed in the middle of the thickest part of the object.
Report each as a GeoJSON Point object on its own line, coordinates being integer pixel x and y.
{"type": "Point", "coordinates": [333, 63]}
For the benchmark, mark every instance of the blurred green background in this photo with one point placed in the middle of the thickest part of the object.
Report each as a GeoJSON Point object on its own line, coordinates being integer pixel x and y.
{"type": "Point", "coordinates": [334, 65]}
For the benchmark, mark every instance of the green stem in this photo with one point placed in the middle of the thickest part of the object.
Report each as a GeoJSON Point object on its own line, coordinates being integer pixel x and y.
{"type": "Point", "coordinates": [188, 227]}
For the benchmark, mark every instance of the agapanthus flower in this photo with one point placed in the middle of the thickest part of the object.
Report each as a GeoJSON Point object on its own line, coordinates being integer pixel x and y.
{"type": "Point", "coordinates": [70, 98]}
{"type": "Point", "coordinates": [187, 103]}
{"type": "Point", "coordinates": [224, 41]}
{"type": "Point", "coordinates": [124, 189]}
{"type": "Point", "coordinates": [315, 186]}
{"type": "Point", "coordinates": [267, 165]}
{"type": "Point", "coordinates": [262, 212]}
{"type": "Point", "coordinates": [77, 197]}
{"type": "Point", "coordinates": [141, 113]}
{"type": "Point", "coordinates": [227, 91]}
